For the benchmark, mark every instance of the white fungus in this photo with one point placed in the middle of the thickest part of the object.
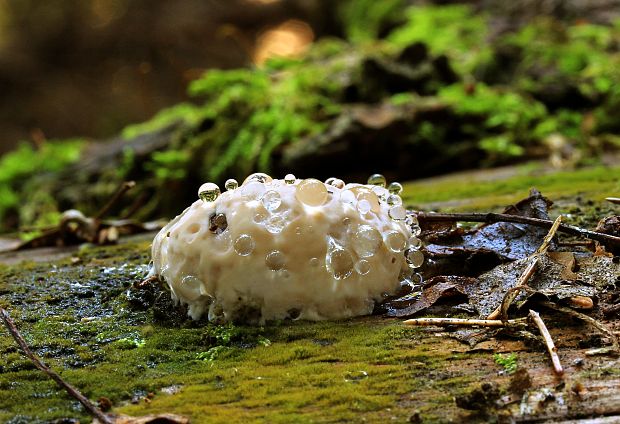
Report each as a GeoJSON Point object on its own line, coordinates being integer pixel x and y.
{"type": "Point", "coordinates": [276, 249]}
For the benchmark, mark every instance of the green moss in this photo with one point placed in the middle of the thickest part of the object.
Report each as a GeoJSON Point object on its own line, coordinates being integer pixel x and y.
{"type": "Point", "coordinates": [480, 192]}
{"type": "Point", "coordinates": [508, 361]}
{"type": "Point", "coordinates": [75, 316]}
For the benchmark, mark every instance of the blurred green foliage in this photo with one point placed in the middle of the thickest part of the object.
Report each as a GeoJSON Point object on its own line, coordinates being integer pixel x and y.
{"type": "Point", "coordinates": [19, 167]}
{"type": "Point", "coordinates": [510, 93]}
{"type": "Point", "coordinates": [248, 113]}
{"type": "Point", "coordinates": [451, 30]}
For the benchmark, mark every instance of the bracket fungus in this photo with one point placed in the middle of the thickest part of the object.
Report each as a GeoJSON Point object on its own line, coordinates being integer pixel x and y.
{"type": "Point", "coordinates": [273, 249]}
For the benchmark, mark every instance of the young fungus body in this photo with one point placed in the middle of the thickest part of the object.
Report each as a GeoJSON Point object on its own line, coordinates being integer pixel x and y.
{"type": "Point", "coordinates": [275, 249]}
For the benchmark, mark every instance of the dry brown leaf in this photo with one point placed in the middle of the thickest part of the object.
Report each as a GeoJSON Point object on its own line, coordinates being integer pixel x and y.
{"type": "Point", "coordinates": [567, 260]}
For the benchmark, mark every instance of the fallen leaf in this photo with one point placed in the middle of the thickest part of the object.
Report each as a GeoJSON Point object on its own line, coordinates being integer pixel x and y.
{"type": "Point", "coordinates": [436, 288]}
{"type": "Point", "coordinates": [471, 253]}
{"type": "Point", "coordinates": [567, 260]}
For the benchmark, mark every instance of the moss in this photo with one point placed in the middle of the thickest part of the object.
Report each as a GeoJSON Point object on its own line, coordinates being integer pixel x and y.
{"type": "Point", "coordinates": [485, 192]}
{"type": "Point", "coordinates": [508, 362]}
{"type": "Point", "coordinates": [290, 371]}
{"type": "Point", "coordinates": [76, 316]}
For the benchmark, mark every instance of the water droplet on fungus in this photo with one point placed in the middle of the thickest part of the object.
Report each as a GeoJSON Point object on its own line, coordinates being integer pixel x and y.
{"type": "Point", "coordinates": [271, 200]}
{"type": "Point", "coordinates": [275, 260]}
{"type": "Point", "coordinates": [208, 192]}
{"type": "Point", "coordinates": [231, 184]}
{"type": "Point", "coordinates": [377, 179]}
{"type": "Point", "coordinates": [311, 192]}
{"type": "Point", "coordinates": [244, 245]}
{"type": "Point", "coordinates": [395, 188]}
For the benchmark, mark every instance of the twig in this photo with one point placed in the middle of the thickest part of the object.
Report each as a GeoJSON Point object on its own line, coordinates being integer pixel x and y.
{"type": "Point", "coordinates": [124, 188]}
{"type": "Point", "coordinates": [88, 405]}
{"type": "Point", "coordinates": [461, 321]}
{"type": "Point", "coordinates": [502, 310]}
{"type": "Point", "coordinates": [615, 345]}
{"type": "Point", "coordinates": [609, 240]}
{"type": "Point", "coordinates": [553, 352]}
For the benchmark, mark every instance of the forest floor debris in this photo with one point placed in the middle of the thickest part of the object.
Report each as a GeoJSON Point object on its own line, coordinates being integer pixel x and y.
{"type": "Point", "coordinates": [113, 340]}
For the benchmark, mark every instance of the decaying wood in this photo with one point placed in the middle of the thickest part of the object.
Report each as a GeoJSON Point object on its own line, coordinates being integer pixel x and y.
{"type": "Point", "coordinates": [555, 359]}
{"type": "Point", "coordinates": [502, 310]}
{"type": "Point", "coordinates": [490, 218]}
{"type": "Point", "coordinates": [72, 391]}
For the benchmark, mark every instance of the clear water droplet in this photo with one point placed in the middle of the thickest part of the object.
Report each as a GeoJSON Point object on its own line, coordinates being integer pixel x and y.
{"type": "Point", "coordinates": [190, 287]}
{"type": "Point", "coordinates": [415, 243]}
{"type": "Point", "coordinates": [330, 180]}
{"type": "Point", "coordinates": [258, 177]}
{"type": "Point", "coordinates": [275, 260]}
{"type": "Point", "coordinates": [415, 258]}
{"type": "Point", "coordinates": [314, 262]}
{"type": "Point", "coordinates": [363, 206]}
{"type": "Point", "coordinates": [397, 213]}
{"type": "Point", "coordinates": [231, 184]}
{"type": "Point", "coordinates": [271, 200]}
{"type": "Point", "coordinates": [208, 192]}
{"type": "Point", "coordinates": [395, 188]}
{"type": "Point", "coordinates": [416, 230]}
{"type": "Point", "coordinates": [364, 194]}
{"type": "Point", "coordinates": [311, 192]}
{"type": "Point", "coordinates": [366, 241]}
{"type": "Point", "coordinates": [276, 223]}
{"type": "Point", "coordinates": [362, 267]}
{"type": "Point", "coordinates": [395, 241]}
{"type": "Point", "coordinates": [260, 215]}
{"type": "Point", "coordinates": [394, 200]}
{"type": "Point", "coordinates": [338, 260]}
{"type": "Point", "coordinates": [417, 279]}
{"type": "Point", "coordinates": [289, 179]}
{"type": "Point", "coordinates": [411, 220]}
{"type": "Point", "coordinates": [377, 179]}
{"type": "Point", "coordinates": [244, 245]}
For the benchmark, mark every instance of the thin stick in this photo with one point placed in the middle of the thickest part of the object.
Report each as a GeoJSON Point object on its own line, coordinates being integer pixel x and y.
{"type": "Point", "coordinates": [88, 405]}
{"type": "Point", "coordinates": [502, 310]}
{"type": "Point", "coordinates": [124, 188]}
{"type": "Point", "coordinates": [460, 321]}
{"type": "Point", "coordinates": [553, 352]}
{"type": "Point", "coordinates": [490, 218]}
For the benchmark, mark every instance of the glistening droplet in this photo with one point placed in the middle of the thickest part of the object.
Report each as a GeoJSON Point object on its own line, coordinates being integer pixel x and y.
{"type": "Point", "coordinates": [311, 192]}
{"type": "Point", "coordinates": [244, 245]}
{"type": "Point", "coordinates": [208, 192]}
{"type": "Point", "coordinates": [377, 179]}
